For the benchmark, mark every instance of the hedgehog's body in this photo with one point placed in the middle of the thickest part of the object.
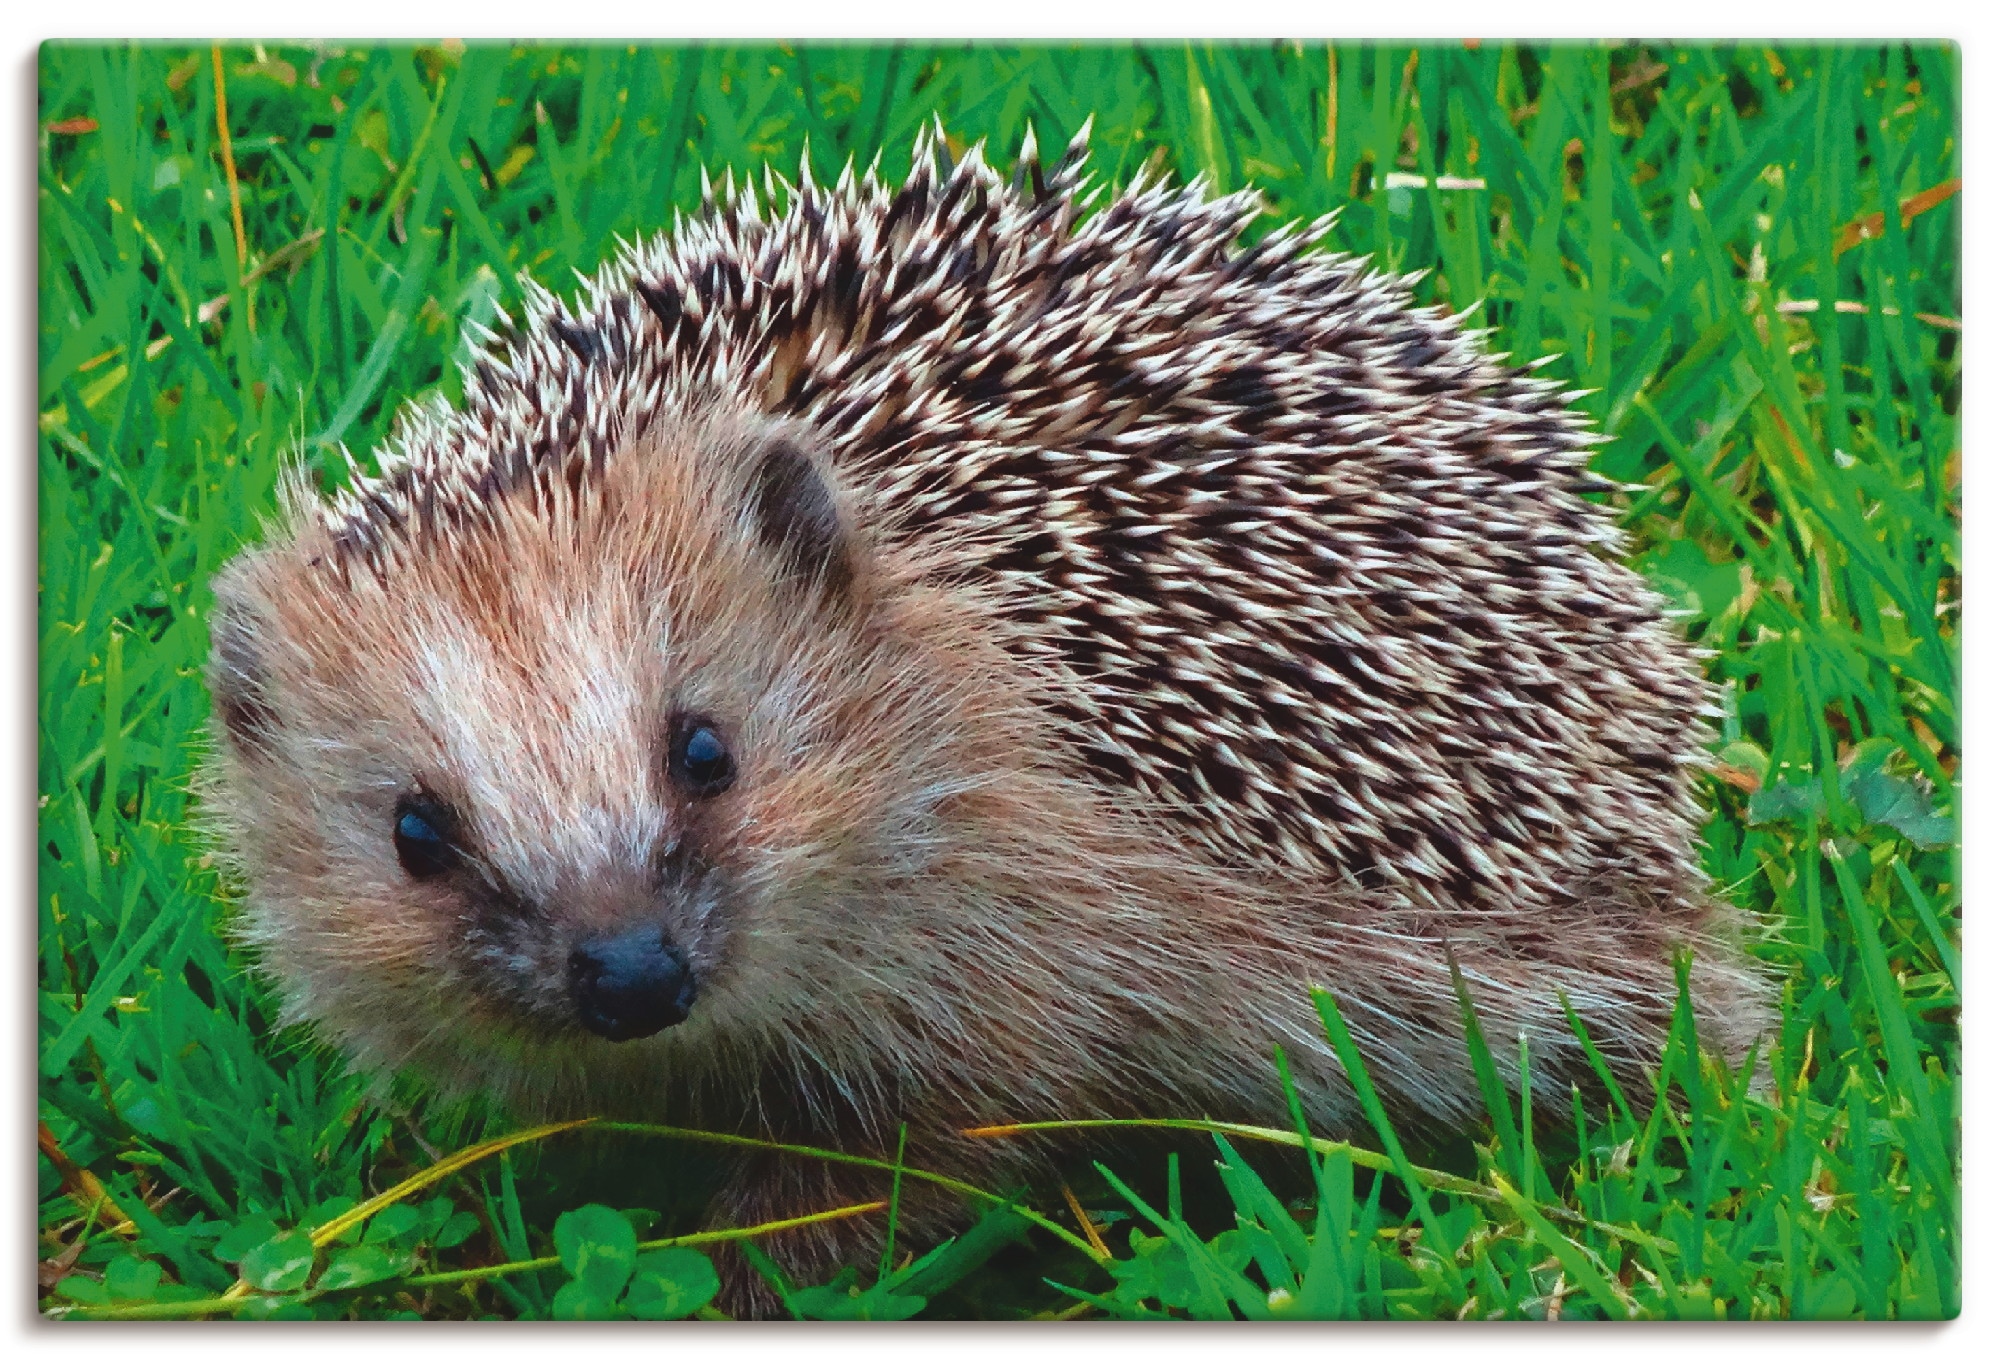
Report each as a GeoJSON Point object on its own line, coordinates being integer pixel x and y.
{"type": "Point", "coordinates": [997, 662]}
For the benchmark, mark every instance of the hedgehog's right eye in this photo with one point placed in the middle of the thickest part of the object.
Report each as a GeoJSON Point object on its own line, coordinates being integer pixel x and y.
{"type": "Point", "coordinates": [423, 837]}
{"type": "Point", "coordinates": [698, 758]}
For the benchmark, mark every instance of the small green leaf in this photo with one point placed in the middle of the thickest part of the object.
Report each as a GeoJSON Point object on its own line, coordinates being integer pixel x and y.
{"type": "Point", "coordinates": [327, 1212]}
{"type": "Point", "coordinates": [433, 1215]}
{"type": "Point", "coordinates": [844, 1300]}
{"type": "Point", "coordinates": [280, 1264]}
{"type": "Point", "coordinates": [353, 1266]}
{"type": "Point", "coordinates": [671, 1284]}
{"type": "Point", "coordinates": [578, 1301]}
{"type": "Point", "coordinates": [1684, 574]}
{"type": "Point", "coordinates": [598, 1247]}
{"type": "Point", "coordinates": [1784, 802]}
{"type": "Point", "coordinates": [1157, 1270]}
{"type": "Point", "coordinates": [131, 1278]}
{"type": "Point", "coordinates": [1887, 800]}
{"type": "Point", "coordinates": [456, 1229]}
{"type": "Point", "coordinates": [398, 1222]}
{"type": "Point", "coordinates": [80, 1288]}
{"type": "Point", "coordinates": [243, 1238]}
{"type": "Point", "coordinates": [275, 1307]}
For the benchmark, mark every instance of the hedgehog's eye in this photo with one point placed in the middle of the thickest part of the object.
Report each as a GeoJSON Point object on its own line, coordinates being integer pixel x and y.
{"type": "Point", "coordinates": [698, 759]}
{"type": "Point", "coordinates": [423, 837]}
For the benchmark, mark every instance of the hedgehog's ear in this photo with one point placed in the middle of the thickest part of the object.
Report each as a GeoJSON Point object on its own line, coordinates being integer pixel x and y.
{"type": "Point", "coordinates": [237, 675]}
{"type": "Point", "coordinates": [799, 516]}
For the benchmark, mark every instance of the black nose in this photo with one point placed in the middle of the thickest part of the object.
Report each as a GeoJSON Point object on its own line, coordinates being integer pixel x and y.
{"type": "Point", "coordinates": [630, 985]}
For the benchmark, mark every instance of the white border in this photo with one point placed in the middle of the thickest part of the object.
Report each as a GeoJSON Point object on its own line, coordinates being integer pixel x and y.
{"type": "Point", "coordinates": [25, 26]}
{"type": "Point", "coordinates": [1064, 19]}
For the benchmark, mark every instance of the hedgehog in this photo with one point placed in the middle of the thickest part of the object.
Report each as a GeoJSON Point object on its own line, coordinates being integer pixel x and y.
{"type": "Point", "coordinates": [891, 659]}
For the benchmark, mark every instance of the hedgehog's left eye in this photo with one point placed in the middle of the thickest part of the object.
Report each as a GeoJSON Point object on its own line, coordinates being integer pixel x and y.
{"type": "Point", "coordinates": [698, 759]}
{"type": "Point", "coordinates": [423, 837]}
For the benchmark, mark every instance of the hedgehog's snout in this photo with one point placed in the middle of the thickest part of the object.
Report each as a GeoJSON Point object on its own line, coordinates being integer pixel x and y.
{"type": "Point", "coordinates": [630, 985]}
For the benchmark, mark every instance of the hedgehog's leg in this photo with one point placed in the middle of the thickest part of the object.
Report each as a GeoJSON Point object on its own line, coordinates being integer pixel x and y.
{"type": "Point", "coordinates": [771, 1188]}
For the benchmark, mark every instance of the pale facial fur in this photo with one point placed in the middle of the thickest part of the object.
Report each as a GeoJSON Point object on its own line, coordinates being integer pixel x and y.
{"type": "Point", "coordinates": [527, 678]}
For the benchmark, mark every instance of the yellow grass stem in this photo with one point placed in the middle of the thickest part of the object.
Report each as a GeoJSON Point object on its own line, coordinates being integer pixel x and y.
{"type": "Point", "coordinates": [228, 1302]}
{"type": "Point", "coordinates": [82, 1186]}
{"type": "Point", "coordinates": [708, 1238]}
{"type": "Point", "coordinates": [1083, 1221]}
{"type": "Point", "coordinates": [430, 1175]}
{"type": "Point", "coordinates": [332, 1231]}
{"type": "Point", "coordinates": [1372, 1160]}
{"type": "Point", "coordinates": [1055, 1229]}
{"type": "Point", "coordinates": [235, 191]}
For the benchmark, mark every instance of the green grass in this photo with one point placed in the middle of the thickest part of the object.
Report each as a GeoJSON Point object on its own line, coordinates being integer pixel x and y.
{"type": "Point", "coordinates": [1750, 255]}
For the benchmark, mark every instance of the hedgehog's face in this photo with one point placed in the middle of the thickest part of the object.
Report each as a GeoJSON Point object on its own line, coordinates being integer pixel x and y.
{"type": "Point", "coordinates": [544, 801]}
